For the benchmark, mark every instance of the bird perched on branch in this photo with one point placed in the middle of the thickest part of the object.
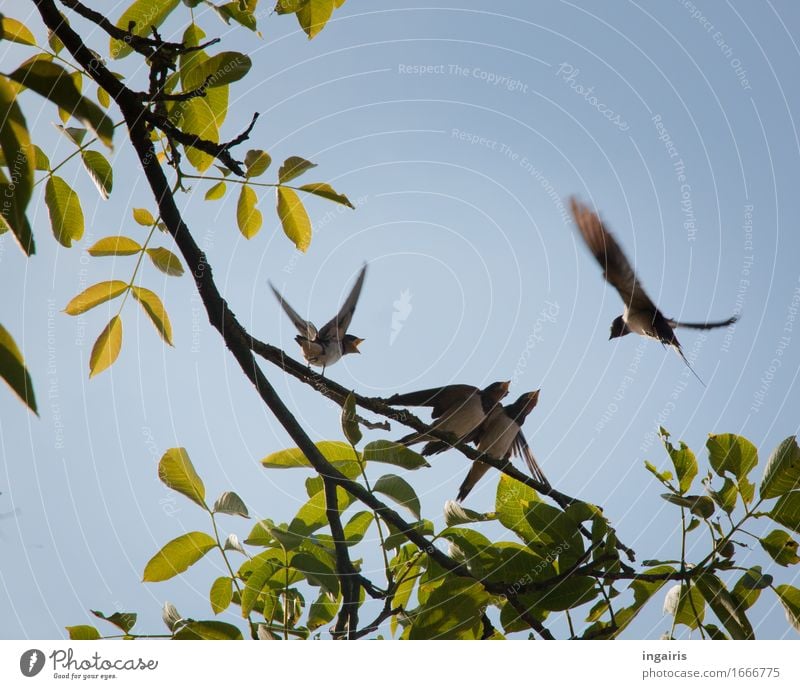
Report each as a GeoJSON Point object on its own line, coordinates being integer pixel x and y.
{"type": "Point", "coordinates": [331, 342]}
{"type": "Point", "coordinates": [500, 436]}
{"type": "Point", "coordinates": [641, 315]}
{"type": "Point", "coordinates": [458, 410]}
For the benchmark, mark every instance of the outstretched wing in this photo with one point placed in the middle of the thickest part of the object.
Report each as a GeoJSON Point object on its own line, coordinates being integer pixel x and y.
{"type": "Point", "coordinates": [441, 399]}
{"type": "Point", "coordinates": [704, 326]}
{"type": "Point", "coordinates": [520, 448]}
{"type": "Point", "coordinates": [337, 327]}
{"type": "Point", "coordinates": [616, 268]}
{"type": "Point", "coordinates": [304, 327]}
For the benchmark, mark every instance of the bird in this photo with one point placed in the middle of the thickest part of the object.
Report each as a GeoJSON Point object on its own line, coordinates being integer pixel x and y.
{"type": "Point", "coordinates": [331, 342]}
{"type": "Point", "coordinates": [459, 410]}
{"type": "Point", "coordinates": [500, 436]}
{"type": "Point", "coordinates": [641, 315]}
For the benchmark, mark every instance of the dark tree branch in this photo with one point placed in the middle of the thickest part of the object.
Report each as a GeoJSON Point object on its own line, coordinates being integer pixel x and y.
{"type": "Point", "coordinates": [347, 623]}
{"type": "Point", "coordinates": [387, 612]}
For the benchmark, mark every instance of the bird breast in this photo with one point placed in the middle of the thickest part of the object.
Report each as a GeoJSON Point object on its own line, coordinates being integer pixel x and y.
{"type": "Point", "coordinates": [500, 433]}
{"type": "Point", "coordinates": [639, 322]}
{"type": "Point", "coordinates": [463, 418]}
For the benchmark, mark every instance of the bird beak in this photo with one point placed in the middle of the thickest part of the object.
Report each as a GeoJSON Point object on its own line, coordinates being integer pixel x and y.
{"type": "Point", "coordinates": [506, 385]}
{"type": "Point", "coordinates": [533, 399]}
{"type": "Point", "coordinates": [357, 342]}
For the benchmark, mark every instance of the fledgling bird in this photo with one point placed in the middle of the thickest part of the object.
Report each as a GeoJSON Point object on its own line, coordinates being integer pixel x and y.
{"type": "Point", "coordinates": [500, 436]}
{"type": "Point", "coordinates": [641, 315]}
{"type": "Point", "coordinates": [460, 409]}
{"type": "Point", "coordinates": [331, 342]}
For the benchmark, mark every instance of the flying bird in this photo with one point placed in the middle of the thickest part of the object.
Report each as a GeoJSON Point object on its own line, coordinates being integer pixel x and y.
{"type": "Point", "coordinates": [500, 436]}
{"type": "Point", "coordinates": [641, 315]}
{"type": "Point", "coordinates": [331, 342]}
{"type": "Point", "coordinates": [458, 409]}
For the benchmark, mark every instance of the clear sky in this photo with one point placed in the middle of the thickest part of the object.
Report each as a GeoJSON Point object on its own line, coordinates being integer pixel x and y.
{"type": "Point", "coordinates": [460, 133]}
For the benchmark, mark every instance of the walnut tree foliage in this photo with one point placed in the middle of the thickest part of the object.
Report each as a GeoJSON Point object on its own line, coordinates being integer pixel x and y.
{"type": "Point", "coordinates": [562, 558]}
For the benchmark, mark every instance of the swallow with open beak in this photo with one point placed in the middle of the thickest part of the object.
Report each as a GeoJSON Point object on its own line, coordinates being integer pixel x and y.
{"type": "Point", "coordinates": [457, 409]}
{"type": "Point", "coordinates": [641, 315]}
{"type": "Point", "coordinates": [331, 342]}
{"type": "Point", "coordinates": [500, 436]}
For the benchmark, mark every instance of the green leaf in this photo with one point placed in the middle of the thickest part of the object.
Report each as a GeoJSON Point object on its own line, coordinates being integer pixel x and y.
{"type": "Point", "coordinates": [567, 594]}
{"type": "Point", "coordinates": [15, 31]}
{"type": "Point", "coordinates": [178, 555]}
{"type": "Point", "coordinates": [313, 514]}
{"type": "Point", "coordinates": [216, 192]}
{"type": "Point", "coordinates": [685, 603]}
{"type": "Point", "coordinates": [255, 584]}
{"type": "Point", "coordinates": [94, 295]}
{"type": "Point", "coordinates": [699, 505]}
{"type": "Point", "coordinates": [400, 491]}
{"type": "Point", "coordinates": [155, 309]}
{"type": "Point", "coordinates": [355, 529]}
{"type": "Point", "coordinates": [102, 97]}
{"type": "Point", "coordinates": [241, 12]}
{"type": "Point", "coordinates": [143, 217]}
{"type": "Point", "coordinates": [453, 611]}
{"type": "Point", "coordinates": [317, 572]}
{"type": "Point", "coordinates": [456, 514]}
{"type": "Point", "coordinates": [197, 117]}
{"type": "Point", "coordinates": [230, 503]}
{"type": "Point", "coordinates": [293, 167]}
{"type": "Point", "coordinates": [165, 261]}
{"type": "Point", "coordinates": [176, 471]}
{"type": "Point", "coordinates": [332, 450]}
{"type": "Point", "coordinates": [787, 511]}
{"type": "Point", "coordinates": [144, 14]}
{"type": "Point", "coordinates": [256, 162]}
{"type": "Point", "coordinates": [322, 611]}
{"type": "Point", "coordinates": [20, 157]}
{"type": "Point", "coordinates": [326, 191]}
{"type": "Point", "coordinates": [121, 620]}
{"type": "Point", "coordinates": [248, 217]}
{"type": "Point", "coordinates": [295, 220]}
{"type": "Point", "coordinates": [54, 83]}
{"type": "Point", "coordinates": [389, 452]}
{"type": "Point", "coordinates": [732, 453]}
{"type": "Point", "coordinates": [221, 594]}
{"type": "Point", "coordinates": [313, 16]}
{"type": "Point", "coordinates": [64, 206]}
{"type": "Point", "coordinates": [221, 69]}
{"type": "Point", "coordinates": [724, 606]}
{"type": "Point", "coordinates": [83, 632]}
{"type": "Point", "coordinates": [99, 170]}
{"type": "Point", "coordinates": [511, 503]}
{"type": "Point", "coordinates": [76, 135]}
{"type": "Point", "coordinates": [726, 496]}
{"type": "Point", "coordinates": [789, 597]}
{"type": "Point", "coordinates": [782, 472]}
{"type": "Point", "coordinates": [781, 547]}
{"type": "Point", "coordinates": [13, 370]}
{"type": "Point", "coordinates": [115, 246]}
{"type": "Point", "coordinates": [106, 348]}
{"type": "Point", "coordinates": [684, 461]}
{"type": "Point", "coordinates": [208, 630]}
{"type": "Point", "coordinates": [350, 426]}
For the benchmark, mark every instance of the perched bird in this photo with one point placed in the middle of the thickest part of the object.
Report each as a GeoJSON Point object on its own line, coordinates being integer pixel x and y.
{"type": "Point", "coordinates": [641, 315]}
{"type": "Point", "coordinates": [331, 342]}
{"type": "Point", "coordinates": [459, 410]}
{"type": "Point", "coordinates": [500, 436]}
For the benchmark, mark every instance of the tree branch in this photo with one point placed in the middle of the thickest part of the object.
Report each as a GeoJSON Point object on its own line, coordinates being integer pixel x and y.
{"type": "Point", "coordinates": [347, 623]}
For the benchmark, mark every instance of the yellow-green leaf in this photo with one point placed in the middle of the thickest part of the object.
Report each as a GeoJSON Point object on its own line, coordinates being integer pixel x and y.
{"type": "Point", "coordinates": [20, 158]}
{"type": "Point", "coordinates": [102, 97]}
{"type": "Point", "coordinates": [106, 347]}
{"type": "Point", "coordinates": [144, 14]}
{"type": "Point", "coordinates": [83, 632]}
{"type": "Point", "coordinates": [248, 217]}
{"type": "Point", "coordinates": [256, 162]}
{"type": "Point", "coordinates": [295, 220]}
{"type": "Point", "coordinates": [178, 555]}
{"type": "Point", "coordinates": [221, 69]}
{"type": "Point", "coordinates": [216, 192]}
{"type": "Point", "coordinates": [54, 83]}
{"type": "Point", "coordinates": [15, 31]}
{"type": "Point", "coordinates": [177, 472]}
{"type": "Point", "coordinates": [221, 594]}
{"type": "Point", "coordinates": [99, 170]}
{"type": "Point", "coordinates": [115, 246]}
{"type": "Point", "coordinates": [196, 117]}
{"type": "Point", "coordinates": [782, 473]}
{"type": "Point", "coordinates": [13, 370]}
{"type": "Point", "coordinates": [208, 630]}
{"type": "Point", "coordinates": [64, 207]}
{"type": "Point", "coordinates": [326, 191]}
{"type": "Point", "coordinates": [94, 295]}
{"type": "Point", "coordinates": [165, 261]}
{"type": "Point", "coordinates": [143, 217]}
{"type": "Point", "coordinates": [350, 426]}
{"type": "Point", "coordinates": [292, 167]}
{"type": "Point", "coordinates": [313, 16]}
{"type": "Point", "coordinates": [155, 309]}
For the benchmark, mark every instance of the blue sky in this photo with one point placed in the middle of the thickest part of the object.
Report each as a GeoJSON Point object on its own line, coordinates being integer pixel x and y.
{"type": "Point", "coordinates": [459, 133]}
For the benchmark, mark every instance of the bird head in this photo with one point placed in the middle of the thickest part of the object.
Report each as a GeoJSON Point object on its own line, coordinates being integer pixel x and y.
{"type": "Point", "coordinates": [496, 391]}
{"type": "Point", "coordinates": [350, 344]}
{"type": "Point", "coordinates": [618, 328]}
{"type": "Point", "coordinates": [523, 406]}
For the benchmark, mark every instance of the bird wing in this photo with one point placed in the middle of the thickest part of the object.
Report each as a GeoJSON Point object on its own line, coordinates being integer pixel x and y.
{"type": "Point", "coordinates": [441, 399]}
{"type": "Point", "coordinates": [304, 327]}
{"type": "Point", "coordinates": [616, 268]}
{"type": "Point", "coordinates": [336, 328]}
{"type": "Point", "coordinates": [520, 448]}
{"type": "Point", "coordinates": [704, 326]}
